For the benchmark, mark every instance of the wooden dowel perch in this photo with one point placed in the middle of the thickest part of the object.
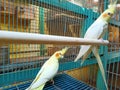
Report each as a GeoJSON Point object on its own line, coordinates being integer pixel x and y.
{"type": "Point", "coordinates": [32, 38]}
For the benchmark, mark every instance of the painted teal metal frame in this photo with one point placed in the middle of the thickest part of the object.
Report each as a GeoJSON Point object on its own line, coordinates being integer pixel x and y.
{"type": "Point", "coordinates": [41, 28]}
{"type": "Point", "coordinates": [68, 6]}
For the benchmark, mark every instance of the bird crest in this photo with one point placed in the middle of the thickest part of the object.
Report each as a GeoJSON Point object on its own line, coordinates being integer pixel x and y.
{"type": "Point", "coordinates": [59, 54]}
{"type": "Point", "coordinates": [108, 13]}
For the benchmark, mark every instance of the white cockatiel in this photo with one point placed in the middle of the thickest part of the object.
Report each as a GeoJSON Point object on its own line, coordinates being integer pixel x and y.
{"type": "Point", "coordinates": [96, 31]}
{"type": "Point", "coordinates": [48, 71]}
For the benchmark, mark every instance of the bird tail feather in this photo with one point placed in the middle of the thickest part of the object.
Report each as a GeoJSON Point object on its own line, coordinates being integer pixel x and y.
{"type": "Point", "coordinates": [41, 87]}
{"type": "Point", "coordinates": [95, 51]}
{"type": "Point", "coordinates": [38, 88]}
{"type": "Point", "coordinates": [85, 56]}
{"type": "Point", "coordinates": [82, 51]}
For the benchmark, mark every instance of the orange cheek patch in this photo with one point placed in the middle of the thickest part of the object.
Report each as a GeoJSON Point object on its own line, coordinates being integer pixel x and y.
{"type": "Point", "coordinates": [105, 15]}
{"type": "Point", "coordinates": [57, 55]}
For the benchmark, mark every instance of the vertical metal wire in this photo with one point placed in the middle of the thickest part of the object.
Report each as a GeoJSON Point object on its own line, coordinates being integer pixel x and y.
{"type": "Point", "coordinates": [117, 74]}
{"type": "Point", "coordinates": [4, 14]}
{"type": "Point", "coordinates": [8, 55]}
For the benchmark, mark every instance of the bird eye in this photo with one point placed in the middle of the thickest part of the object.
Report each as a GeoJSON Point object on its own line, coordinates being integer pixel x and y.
{"type": "Point", "coordinates": [60, 54]}
{"type": "Point", "coordinates": [109, 13]}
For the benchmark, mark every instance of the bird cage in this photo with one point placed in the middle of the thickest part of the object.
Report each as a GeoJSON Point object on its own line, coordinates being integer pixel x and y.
{"type": "Point", "coordinates": [20, 60]}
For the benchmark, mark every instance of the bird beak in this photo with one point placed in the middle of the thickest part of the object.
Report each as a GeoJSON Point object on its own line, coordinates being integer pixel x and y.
{"type": "Point", "coordinates": [114, 2]}
{"type": "Point", "coordinates": [64, 50]}
{"type": "Point", "coordinates": [62, 56]}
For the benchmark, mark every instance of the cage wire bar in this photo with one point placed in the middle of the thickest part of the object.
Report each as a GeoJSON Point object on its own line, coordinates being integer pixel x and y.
{"type": "Point", "coordinates": [20, 62]}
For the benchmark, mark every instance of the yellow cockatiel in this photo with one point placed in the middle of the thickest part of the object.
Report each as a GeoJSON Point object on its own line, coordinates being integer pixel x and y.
{"type": "Point", "coordinates": [47, 71]}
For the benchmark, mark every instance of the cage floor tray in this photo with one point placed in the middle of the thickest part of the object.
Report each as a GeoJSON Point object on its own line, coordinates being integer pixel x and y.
{"type": "Point", "coordinates": [61, 82]}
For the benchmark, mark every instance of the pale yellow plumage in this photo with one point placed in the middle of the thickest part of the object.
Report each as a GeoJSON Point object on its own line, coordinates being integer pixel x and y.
{"type": "Point", "coordinates": [48, 71]}
{"type": "Point", "coordinates": [97, 29]}
{"type": "Point", "coordinates": [40, 87]}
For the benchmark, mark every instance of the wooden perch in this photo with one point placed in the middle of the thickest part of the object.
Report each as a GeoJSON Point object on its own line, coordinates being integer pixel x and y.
{"type": "Point", "coordinates": [7, 37]}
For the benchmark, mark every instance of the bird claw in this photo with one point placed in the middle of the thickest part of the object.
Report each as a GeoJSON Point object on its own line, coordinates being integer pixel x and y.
{"type": "Point", "coordinates": [52, 81]}
{"type": "Point", "coordinates": [101, 39]}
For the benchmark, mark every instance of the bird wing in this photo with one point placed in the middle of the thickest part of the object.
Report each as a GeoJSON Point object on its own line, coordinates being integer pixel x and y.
{"type": "Point", "coordinates": [93, 32]}
{"type": "Point", "coordinates": [36, 78]}
{"type": "Point", "coordinates": [86, 54]}
{"type": "Point", "coordinates": [45, 74]}
{"type": "Point", "coordinates": [83, 50]}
